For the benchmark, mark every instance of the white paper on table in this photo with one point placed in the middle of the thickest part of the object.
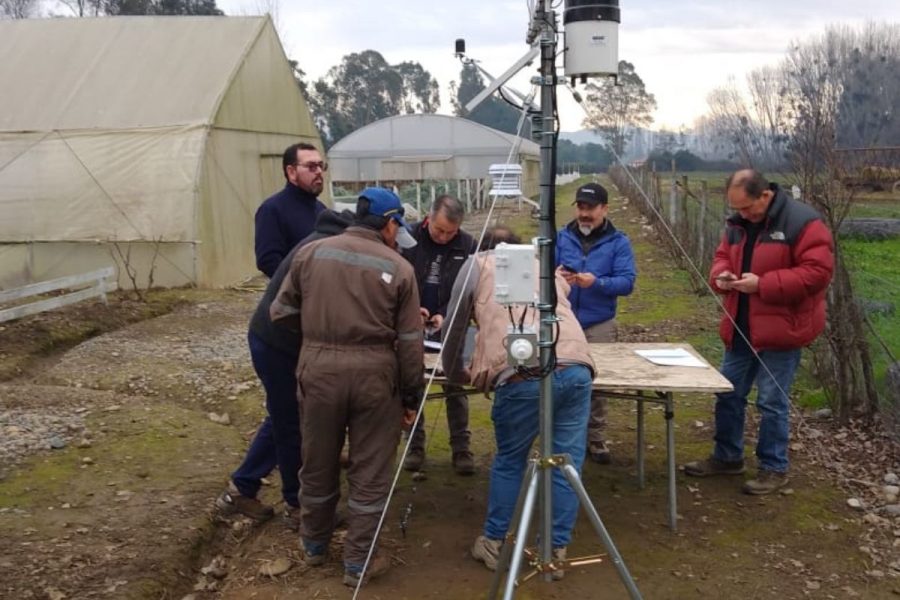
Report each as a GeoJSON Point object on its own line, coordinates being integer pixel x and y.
{"type": "Point", "coordinates": [671, 357]}
{"type": "Point", "coordinates": [432, 345]}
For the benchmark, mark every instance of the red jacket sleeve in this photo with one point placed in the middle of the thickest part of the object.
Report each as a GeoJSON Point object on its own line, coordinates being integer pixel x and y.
{"type": "Point", "coordinates": [813, 257]}
{"type": "Point", "coordinates": [721, 262]}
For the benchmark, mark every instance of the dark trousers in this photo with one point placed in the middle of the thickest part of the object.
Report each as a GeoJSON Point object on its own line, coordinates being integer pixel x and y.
{"type": "Point", "coordinates": [277, 441]}
{"type": "Point", "coordinates": [604, 332]}
{"type": "Point", "coordinates": [350, 391]}
{"type": "Point", "coordinates": [457, 422]}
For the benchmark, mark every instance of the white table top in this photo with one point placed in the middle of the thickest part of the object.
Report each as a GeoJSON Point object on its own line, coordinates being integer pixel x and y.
{"type": "Point", "coordinates": [619, 369]}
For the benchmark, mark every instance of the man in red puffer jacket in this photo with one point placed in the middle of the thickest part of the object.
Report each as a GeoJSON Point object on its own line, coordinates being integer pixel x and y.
{"type": "Point", "coordinates": [772, 266]}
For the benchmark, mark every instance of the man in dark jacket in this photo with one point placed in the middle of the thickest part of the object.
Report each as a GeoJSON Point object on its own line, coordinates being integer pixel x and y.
{"type": "Point", "coordinates": [772, 266]}
{"type": "Point", "coordinates": [360, 372]}
{"type": "Point", "coordinates": [274, 351]}
{"type": "Point", "coordinates": [441, 249]}
{"type": "Point", "coordinates": [287, 217]}
{"type": "Point", "coordinates": [596, 259]}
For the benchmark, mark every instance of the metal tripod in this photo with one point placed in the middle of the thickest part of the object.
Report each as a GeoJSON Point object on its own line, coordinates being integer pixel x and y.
{"type": "Point", "coordinates": [538, 481]}
{"type": "Point", "coordinates": [514, 546]}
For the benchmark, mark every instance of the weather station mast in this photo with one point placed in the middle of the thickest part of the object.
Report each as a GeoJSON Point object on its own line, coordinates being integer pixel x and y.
{"type": "Point", "coordinates": [591, 29]}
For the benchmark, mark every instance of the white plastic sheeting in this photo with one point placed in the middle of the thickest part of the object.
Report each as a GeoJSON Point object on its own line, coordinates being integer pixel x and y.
{"type": "Point", "coordinates": [151, 138]}
{"type": "Point", "coordinates": [429, 147]}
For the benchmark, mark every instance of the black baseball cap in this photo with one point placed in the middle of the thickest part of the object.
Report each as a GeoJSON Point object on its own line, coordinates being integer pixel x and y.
{"type": "Point", "coordinates": [592, 193]}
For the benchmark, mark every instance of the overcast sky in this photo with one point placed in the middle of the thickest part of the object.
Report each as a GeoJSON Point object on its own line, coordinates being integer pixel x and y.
{"type": "Point", "coordinates": [681, 49]}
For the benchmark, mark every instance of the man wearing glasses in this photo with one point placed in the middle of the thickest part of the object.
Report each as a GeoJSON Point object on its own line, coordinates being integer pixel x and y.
{"type": "Point", "coordinates": [290, 215]}
{"type": "Point", "coordinates": [282, 222]}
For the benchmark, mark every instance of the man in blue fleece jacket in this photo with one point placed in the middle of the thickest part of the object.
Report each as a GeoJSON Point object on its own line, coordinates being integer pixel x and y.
{"type": "Point", "coordinates": [598, 262]}
{"type": "Point", "coordinates": [287, 217]}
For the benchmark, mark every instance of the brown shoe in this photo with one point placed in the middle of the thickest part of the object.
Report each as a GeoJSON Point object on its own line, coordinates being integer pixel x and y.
{"type": "Point", "coordinates": [414, 460]}
{"type": "Point", "coordinates": [599, 453]}
{"type": "Point", "coordinates": [231, 501]}
{"type": "Point", "coordinates": [712, 466]}
{"type": "Point", "coordinates": [463, 463]}
{"type": "Point", "coordinates": [379, 565]}
{"type": "Point", "coordinates": [766, 482]}
{"type": "Point", "coordinates": [291, 517]}
{"type": "Point", "coordinates": [559, 554]}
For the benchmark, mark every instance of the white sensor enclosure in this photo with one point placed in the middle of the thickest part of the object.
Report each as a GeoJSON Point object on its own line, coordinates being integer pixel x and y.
{"type": "Point", "coordinates": [592, 48]}
{"type": "Point", "coordinates": [515, 276]}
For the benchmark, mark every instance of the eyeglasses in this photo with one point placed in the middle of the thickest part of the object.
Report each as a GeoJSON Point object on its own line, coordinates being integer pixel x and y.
{"type": "Point", "coordinates": [313, 166]}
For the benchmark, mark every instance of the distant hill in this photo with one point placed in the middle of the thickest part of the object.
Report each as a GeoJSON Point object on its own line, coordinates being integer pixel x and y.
{"type": "Point", "coordinates": [583, 136]}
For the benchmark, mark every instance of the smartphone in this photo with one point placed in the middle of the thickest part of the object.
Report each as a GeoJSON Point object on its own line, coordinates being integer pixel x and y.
{"type": "Point", "coordinates": [568, 268]}
{"type": "Point", "coordinates": [724, 277]}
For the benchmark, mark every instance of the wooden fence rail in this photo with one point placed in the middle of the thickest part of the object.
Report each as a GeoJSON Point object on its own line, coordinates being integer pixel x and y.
{"type": "Point", "coordinates": [99, 282]}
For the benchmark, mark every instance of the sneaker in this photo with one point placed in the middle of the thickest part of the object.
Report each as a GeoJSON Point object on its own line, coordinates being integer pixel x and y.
{"type": "Point", "coordinates": [463, 463]}
{"type": "Point", "coordinates": [291, 517]}
{"type": "Point", "coordinates": [231, 501]}
{"type": "Point", "coordinates": [713, 466]}
{"type": "Point", "coordinates": [487, 551]}
{"type": "Point", "coordinates": [766, 482]}
{"type": "Point", "coordinates": [559, 554]}
{"type": "Point", "coordinates": [599, 453]}
{"type": "Point", "coordinates": [379, 565]}
{"type": "Point", "coordinates": [314, 554]}
{"type": "Point", "coordinates": [414, 460]}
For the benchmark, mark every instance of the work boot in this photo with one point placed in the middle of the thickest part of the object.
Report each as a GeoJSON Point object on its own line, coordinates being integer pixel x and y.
{"type": "Point", "coordinates": [231, 501]}
{"type": "Point", "coordinates": [487, 551]}
{"type": "Point", "coordinates": [559, 554]}
{"type": "Point", "coordinates": [712, 466]}
{"type": "Point", "coordinates": [291, 517]}
{"type": "Point", "coordinates": [315, 554]}
{"type": "Point", "coordinates": [414, 459]}
{"type": "Point", "coordinates": [463, 463]}
{"type": "Point", "coordinates": [766, 482]}
{"type": "Point", "coordinates": [379, 565]}
{"type": "Point", "coordinates": [599, 453]}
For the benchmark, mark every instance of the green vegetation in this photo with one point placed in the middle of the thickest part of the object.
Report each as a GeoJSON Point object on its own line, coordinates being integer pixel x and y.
{"type": "Point", "coordinates": [875, 267]}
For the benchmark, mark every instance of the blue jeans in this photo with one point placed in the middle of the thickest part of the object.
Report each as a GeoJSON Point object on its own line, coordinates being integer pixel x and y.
{"type": "Point", "coordinates": [515, 417]}
{"type": "Point", "coordinates": [742, 368]}
{"type": "Point", "coordinates": [277, 441]}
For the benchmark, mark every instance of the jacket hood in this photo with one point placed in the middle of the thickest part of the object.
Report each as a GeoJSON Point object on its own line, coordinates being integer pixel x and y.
{"type": "Point", "coordinates": [331, 222]}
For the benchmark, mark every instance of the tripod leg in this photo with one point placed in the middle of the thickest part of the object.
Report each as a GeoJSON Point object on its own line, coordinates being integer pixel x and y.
{"type": "Point", "coordinates": [574, 480]}
{"type": "Point", "coordinates": [506, 551]}
{"type": "Point", "coordinates": [521, 536]}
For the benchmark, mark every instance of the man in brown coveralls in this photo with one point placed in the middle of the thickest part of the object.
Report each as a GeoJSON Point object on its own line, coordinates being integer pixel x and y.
{"type": "Point", "coordinates": [360, 371]}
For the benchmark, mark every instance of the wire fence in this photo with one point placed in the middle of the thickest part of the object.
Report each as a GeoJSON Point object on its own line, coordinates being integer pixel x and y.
{"type": "Point", "coordinates": [689, 210]}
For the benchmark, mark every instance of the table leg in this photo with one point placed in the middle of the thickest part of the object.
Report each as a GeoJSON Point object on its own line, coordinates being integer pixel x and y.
{"type": "Point", "coordinates": [670, 455]}
{"type": "Point", "coordinates": [640, 441]}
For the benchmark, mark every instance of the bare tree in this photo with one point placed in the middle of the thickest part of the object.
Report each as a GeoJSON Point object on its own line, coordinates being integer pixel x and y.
{"type": "Point", "coordinates": [18, 9]}
{"type": "Point", "coordinates": [615, 109]}
{"type": "Point", "coordinates": [820, 77]}
{"type": "Point", "coordinates": [748, 126]}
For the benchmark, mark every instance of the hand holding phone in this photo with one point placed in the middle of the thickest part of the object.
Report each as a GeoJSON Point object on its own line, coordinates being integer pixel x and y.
{"type": "Point", "coordinates": [724, 280]}
{"type": "Point", "coordinates": [568, 269]}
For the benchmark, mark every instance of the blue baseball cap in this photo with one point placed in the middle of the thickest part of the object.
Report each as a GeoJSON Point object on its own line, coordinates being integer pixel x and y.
{"type": "Point", "coordinates": [385, 203]}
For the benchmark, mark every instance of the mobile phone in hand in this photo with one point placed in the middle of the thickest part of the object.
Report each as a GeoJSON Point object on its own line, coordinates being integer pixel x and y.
{"type": "Point", "coordinates": [569, 269]}
{"type": "Point", "coordinates": [726, 277]}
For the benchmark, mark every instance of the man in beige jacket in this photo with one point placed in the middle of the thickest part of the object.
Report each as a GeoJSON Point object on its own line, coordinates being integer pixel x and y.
{"type": "Point", "coordinates": [516, 397]}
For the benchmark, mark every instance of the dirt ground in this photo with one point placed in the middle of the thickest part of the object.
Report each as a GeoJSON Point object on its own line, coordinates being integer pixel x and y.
{"type": "Point", "coordinates": [163, 402]}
